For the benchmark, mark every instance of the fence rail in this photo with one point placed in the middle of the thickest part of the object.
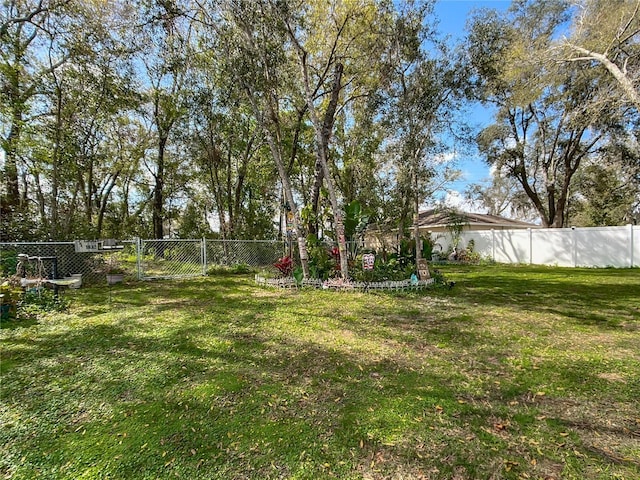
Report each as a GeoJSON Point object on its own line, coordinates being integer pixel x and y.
{"type": "Point", "coordinates": [139, 259]}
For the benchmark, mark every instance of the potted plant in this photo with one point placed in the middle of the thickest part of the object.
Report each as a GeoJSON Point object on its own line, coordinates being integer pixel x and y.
{"type": "Point", "coordinates": [10, 296]}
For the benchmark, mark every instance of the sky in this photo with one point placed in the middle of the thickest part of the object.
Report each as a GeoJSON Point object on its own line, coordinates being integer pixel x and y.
{"type": "Point", "coordinates": [452, 16]}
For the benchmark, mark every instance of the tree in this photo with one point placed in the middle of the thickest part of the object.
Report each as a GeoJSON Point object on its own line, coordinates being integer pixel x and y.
{"type": "Point", "coordinates": [549, 119]}
{"type": "Point", "coordinates": [422, 96]}
{"type": "Point", "coordinates": [29, 41]}
{"type": "Point", "coordinates": [334, 45]}
{"type": "Point", "coordinates": [65, 95]}
{"type": "Point", "coordinates": [228, 151]}
{"type": "Point", "coordinates": [91, 97]}
{"type": "Point", "coordinates": [166, 32]}
{"type": "Point", "coordinates": [254, 41]}
{"type": "Point", "coordinates": [501, 195]}
{"type": "Point", "coordinates": [607, 190]}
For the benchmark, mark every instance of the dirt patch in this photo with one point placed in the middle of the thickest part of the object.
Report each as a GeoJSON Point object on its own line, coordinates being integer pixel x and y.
{"type": "Point", "coordinates": [612, 377]}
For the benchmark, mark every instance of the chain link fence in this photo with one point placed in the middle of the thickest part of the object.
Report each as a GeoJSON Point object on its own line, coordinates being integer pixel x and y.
{"type": "Point", "coordinates": [254, 253]}
{"type": "Point", "coordinates": [138, 259]}
{"type": "Point", "coordinates": [171, 259]}
{"type": "Point", "coordinates": [61, 260]}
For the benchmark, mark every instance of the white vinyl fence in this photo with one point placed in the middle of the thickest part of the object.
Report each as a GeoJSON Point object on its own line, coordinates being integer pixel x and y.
{"type": "Point", "coordinates": [566, 247]}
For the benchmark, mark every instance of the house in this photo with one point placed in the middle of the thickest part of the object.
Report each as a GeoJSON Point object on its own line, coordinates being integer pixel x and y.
{"type": "Point", "coordinates": [446, 220]}
{"type": "Point", "coordinates": [439, 220]}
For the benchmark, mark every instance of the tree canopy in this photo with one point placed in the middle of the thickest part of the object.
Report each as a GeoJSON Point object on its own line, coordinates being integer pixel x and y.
{"type": "Point", "coordinates": [166, 118]}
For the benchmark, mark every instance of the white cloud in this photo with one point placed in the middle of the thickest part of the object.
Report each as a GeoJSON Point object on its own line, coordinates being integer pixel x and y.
{"type": "Point", "coordinates": [455, 199]}
{"type": "Point", "coordinates": [445, 158]}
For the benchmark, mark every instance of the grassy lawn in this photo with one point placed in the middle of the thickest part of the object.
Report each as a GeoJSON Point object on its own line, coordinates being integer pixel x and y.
{"type": "Point", "coordinates": [517, 372]}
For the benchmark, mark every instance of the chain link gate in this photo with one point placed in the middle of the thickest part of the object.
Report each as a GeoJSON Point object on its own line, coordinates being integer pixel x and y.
{"type": "Point", "coordinates": [191, 258]}
{"type": "Point", "coordinates": [254, 253]}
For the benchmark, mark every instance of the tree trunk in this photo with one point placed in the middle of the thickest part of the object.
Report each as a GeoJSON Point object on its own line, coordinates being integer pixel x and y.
{"type": "Point", "coordinates": [12, 195]}
{"type": "Point", "coordinates": [274, 141]}
{"type": "Point", "coordinates": [158, 191]}
{"type": "Point", "coordinates": [416, 220]}
{"type": "Point", "coordinates": [55, 164]}
{"type": "Point", "coordinates": [104, 202]}
{"type": "Point", "coordinates": [315, 198]}
{"type": "Point", "coordinates": [288, 193]}
{"type": "Point", "coordinates": [323, 131]}
{"type": "Point", "coordinates": [229, 194]}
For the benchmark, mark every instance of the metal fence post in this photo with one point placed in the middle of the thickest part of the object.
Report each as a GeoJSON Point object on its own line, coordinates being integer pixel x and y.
{"type": "Point", "coordinates": [139, 257]}
{"type": "Point", "coordinates": [203, 246]}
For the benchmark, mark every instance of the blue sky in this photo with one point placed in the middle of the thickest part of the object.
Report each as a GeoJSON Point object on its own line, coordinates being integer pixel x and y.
{"type": "Point", "coordinates": [452, 16]}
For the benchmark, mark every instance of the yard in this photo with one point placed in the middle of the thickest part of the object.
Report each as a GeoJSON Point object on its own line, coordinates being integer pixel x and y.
{"type": "Point", "coordinates": [516, 372]}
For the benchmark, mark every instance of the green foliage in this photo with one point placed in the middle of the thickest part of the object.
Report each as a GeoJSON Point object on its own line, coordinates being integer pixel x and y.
{"type": "Point", "coordinates": [8, 262]}
{"type": "Point", "coordinates": [298, 275]}
{"type": "Point", "coordinates": [10, 298]}
{"type": "Point", "coordinates": [140, 130]}
{"type": "Point", "coordinates": [404, 253]}
{"type": "Point", "coordinates": [355, 221]}
{"type": "Point", "coordinates": [41, 301]}
{"type": "Point", "coordinates": [241, 268]}
{"type": "Point", "coordinates": [237, 269]}
{"type": "Point", "coordinates": [322, 264]}
{"type": "Point", "coordinates": [395, 266]}
{"type": "Point", "coordinates": [604, 197]}
{"type": "Point", "coordinates": [512, 55]}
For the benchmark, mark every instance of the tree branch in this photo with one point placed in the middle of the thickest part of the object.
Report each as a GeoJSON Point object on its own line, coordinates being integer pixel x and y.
{"type": "Point", "coordinates": [624, 81]}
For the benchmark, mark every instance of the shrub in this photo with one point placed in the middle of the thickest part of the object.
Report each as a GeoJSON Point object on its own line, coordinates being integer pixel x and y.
{"type": "Point", "coordinates": [38, 301]}
{"type": "Point", "coordinates": [11, 298]}
{"type": "Point", "coordinates": [390, 269]}
{"type": "Point", "coordinates": [237, 269]}
{"type": "Point", "coordinates": [285, 266]}
{"type": "Point", "coordinates": [323, 264]}
{"type": "Point", "coordinates": [8, 262]}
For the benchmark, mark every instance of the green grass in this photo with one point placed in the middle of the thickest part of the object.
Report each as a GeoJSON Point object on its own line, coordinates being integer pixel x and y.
{"type": "Point", "coordinates": [517, 372]}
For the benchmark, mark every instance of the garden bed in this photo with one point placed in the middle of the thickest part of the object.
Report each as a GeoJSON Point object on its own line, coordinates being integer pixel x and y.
{"type": "Point", "coordinates": [339, 284]}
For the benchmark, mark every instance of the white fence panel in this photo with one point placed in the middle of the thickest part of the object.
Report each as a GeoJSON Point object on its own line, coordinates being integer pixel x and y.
{"type": "Point", "coordinates": [482, 239]}
{"type": "Point", "coordinates": [511, 246]}
{"type": "Point", "coordinates": [552, 246]}
{"type": "Point", "coordinates": [565, 247]}
{"type": "Point", "coordinates": [601, 247]}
